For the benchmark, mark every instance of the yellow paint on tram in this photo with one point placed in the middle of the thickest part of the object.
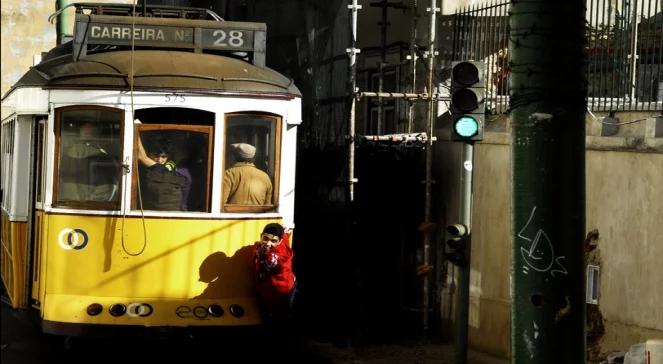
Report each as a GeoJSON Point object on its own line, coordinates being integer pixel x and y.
{"type": "Point", "coordinates": [13, 255]}
{"type": "Point", "coordinates": [165, 262]}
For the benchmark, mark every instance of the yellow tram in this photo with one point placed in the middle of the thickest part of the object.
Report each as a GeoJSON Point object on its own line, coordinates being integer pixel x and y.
{"type": "Point", "coordinates": [89, 238]}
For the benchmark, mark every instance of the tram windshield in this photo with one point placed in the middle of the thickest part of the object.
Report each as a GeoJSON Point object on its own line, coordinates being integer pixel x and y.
{"type": "Point", "coordinates": [88, 161]}
{"type": "Point", "coordinates": [173, 167]}
{"type": "Point", "coordinates": [251, 167]}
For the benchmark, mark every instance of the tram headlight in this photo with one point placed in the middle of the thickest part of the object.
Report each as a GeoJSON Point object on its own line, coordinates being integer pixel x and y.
{"type": "Point", "coordinates": [117, 309]}
{"type": "Point", "coordinates": [215, 310]}
{"type": "Point", "coordinates": [236, 310]}
{"type": "Point", "coordinates": [94, 309]}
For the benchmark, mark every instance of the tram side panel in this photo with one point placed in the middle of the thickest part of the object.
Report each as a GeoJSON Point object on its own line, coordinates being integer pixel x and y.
{"type": "Point", "coordinates": [16, 173]}
{"type": "Point", "coordinates": [184, 267]}
{"type": "Point", "coordinates": [14, 239]}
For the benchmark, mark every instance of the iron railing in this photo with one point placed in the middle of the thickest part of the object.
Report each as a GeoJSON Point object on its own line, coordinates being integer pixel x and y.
{"type": "Point", "coordinates": [624, 52]}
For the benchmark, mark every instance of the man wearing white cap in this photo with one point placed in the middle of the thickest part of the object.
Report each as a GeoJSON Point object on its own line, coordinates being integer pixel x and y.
{"type": "Point", "coordinates": [244, 183]}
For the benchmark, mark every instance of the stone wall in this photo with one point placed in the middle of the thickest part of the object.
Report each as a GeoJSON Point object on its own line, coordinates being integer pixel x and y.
{"type": "Point", "coordinates": [624, 174]}
{"type": "Point", "coordinates": [24, 33]}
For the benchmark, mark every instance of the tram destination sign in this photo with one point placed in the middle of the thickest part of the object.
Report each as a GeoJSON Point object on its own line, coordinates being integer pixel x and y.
{"type": "Point", "coordinates": [168, 33]}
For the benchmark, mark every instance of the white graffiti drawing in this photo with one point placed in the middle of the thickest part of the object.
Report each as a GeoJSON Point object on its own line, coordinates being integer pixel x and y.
{"type": "Point", "coordinates": [540, 254]}
{"type": "Point", "coordinates": [529, 344]}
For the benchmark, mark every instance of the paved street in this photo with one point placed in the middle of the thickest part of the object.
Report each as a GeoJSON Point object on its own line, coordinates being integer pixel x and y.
{"type": "Point", "coordinates": [22, 343]}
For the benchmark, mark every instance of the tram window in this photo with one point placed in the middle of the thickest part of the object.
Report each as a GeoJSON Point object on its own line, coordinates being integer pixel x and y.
{"type": "Point", "coordinates": [7, 162]}
{"type": "Point", "coordinates": [173, 163]}
{"type": "Point", "coordinates": [88, 166]}
{"type": "Point", "coordinates": [39, 161]}
{"type": "Point", "coordinates": [250, 182]}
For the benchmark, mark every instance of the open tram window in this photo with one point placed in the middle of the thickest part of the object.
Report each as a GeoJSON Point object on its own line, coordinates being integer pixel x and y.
{"type": "Point", "coordinates": [173, 163]}
{"type": "Point", "coordinates": [88, 162]}
{"type": "Point", "coordinates": [252, 154]}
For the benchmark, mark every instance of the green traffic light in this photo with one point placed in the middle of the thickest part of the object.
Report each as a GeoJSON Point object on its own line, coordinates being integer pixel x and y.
{"type": "Point", "coordinates": [466, 126]}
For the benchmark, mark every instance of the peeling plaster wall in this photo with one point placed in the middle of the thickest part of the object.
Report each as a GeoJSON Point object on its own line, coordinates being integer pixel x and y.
{"type": "Point", "coordinates": [24, 33]}
{"type": "Point", "coordinates": [623, 202]}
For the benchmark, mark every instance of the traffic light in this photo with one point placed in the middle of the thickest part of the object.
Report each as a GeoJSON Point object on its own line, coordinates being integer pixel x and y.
{"type": "Point", "coordinates": [468, 107]}
{"type": "Point", "coordinates": [457, 244]}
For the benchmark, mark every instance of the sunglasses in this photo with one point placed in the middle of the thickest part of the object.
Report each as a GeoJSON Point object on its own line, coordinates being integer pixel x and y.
{"type": "Point", "coordinates": [269, 238]}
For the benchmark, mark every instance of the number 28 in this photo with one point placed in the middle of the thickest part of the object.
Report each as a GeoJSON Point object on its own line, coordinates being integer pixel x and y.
{"type": "Point", "coordinates": [233, 38]}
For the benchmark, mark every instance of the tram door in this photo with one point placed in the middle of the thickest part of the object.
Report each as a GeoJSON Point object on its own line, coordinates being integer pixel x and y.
{"type": "Point", "coordinates": [37, 212]}
{"type": "Point", "coordinates": [17, 206]}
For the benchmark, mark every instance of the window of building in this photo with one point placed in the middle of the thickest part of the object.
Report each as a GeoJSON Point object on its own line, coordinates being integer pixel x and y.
{"type": "Point", "coordinates": [252, 152]}
{"type": "Point", "coordinates": [88, 162]}
{"type": "Point", "coordinates": [387, 122]}
{"type": "Point", "coordinates": [174, 167]}
{"type": "Point", "coordinates": [592, 294]}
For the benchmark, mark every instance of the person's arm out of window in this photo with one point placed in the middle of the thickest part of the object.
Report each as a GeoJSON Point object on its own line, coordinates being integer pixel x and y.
{"type": "Point", "coordinates": [142, 155]}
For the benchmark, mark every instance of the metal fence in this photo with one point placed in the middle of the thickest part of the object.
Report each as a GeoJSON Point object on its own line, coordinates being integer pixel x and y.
{"type": "Point", "coordinates": [624, 52]}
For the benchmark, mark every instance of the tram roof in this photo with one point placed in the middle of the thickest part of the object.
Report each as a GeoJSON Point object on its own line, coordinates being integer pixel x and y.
{"type": "Point", "coordinates": [156, 70]}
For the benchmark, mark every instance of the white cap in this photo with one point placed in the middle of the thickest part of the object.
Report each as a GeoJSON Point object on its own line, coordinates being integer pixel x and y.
{"type": "Point", "coordinates": [243, 150]}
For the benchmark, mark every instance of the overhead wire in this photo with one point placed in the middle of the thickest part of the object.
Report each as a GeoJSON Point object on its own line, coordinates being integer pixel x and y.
{"type": "Point", "coordinates": [131, 96]}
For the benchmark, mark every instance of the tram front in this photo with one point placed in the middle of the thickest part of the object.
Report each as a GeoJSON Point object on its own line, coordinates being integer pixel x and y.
{"type": "Point", "coordinates": [125, 220]}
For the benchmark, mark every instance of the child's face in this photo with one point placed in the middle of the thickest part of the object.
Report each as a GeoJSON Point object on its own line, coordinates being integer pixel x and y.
{"type": "Point", "coordinates": [160, 158]}
{"type": "Point", "coordinates": [270, 240]}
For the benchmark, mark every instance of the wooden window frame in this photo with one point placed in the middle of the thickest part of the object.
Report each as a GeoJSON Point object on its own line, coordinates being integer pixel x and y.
{"type": "Point", "coordinates": [207, 129]}
{"type": "Point", "coordinates": [240, 208]}
{"type": "Point", "coordinates": [87, 205]}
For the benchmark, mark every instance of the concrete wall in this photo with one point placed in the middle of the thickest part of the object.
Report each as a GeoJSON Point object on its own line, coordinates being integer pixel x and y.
{"type": "Point", "coordinates": [24, 33]}
{"type": "Point", "coordinates": [624, 175]}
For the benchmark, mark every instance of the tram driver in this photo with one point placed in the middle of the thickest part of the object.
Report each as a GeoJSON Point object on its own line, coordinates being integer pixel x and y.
{"type": "Point", "coordinates": [162, 186]}
{"type": "Point", "coordinates": [88, 171]}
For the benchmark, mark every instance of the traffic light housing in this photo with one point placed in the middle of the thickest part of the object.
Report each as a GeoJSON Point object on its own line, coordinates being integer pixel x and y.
{"type": "Point", "coordinates": [468, 106]}
{"type": "Point", "coordinates": [457, 244]}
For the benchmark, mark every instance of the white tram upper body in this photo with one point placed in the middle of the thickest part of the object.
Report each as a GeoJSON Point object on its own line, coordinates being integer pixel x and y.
{"type": "Point", "coordinates": [82, 237]}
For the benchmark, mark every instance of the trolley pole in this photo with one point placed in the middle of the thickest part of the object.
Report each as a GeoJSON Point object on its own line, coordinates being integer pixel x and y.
{"type": "Point", "coordinates": [547, 100]}
{"type": "Point", "coordinates": [463, 300]}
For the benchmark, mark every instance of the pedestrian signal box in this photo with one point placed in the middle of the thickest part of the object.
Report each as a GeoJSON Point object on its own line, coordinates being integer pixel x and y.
{"type": "Point", "coordinates": [457, 244]}
{"type": "Point", "coordinates": [468, 107]}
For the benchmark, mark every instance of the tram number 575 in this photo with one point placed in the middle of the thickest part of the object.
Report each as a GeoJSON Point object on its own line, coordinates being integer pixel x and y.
{"type": "Point", "coordinates": [233, 38]}
{"type": "Point", "coordinates": [175, 97]}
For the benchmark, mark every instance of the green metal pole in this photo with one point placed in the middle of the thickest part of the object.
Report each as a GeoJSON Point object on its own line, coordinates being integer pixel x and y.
{"type": "Point", "coordinates": [547, 100]}
{"type": "Point", "coordinates": [64, 22]}
{"type": "Point", "coordinates": [463, 307]}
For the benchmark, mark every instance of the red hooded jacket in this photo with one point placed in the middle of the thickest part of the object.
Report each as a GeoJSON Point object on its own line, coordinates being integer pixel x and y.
{"type": "Point", "coordinates": [273, 271]}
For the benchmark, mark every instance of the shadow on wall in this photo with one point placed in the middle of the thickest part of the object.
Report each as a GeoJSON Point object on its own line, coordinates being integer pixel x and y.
{"type": "Point", "coordinates": [227, 277]}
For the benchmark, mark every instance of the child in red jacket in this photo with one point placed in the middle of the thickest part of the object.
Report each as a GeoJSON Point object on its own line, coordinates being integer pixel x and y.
{"type": "Point", "coordinates": [275, 280]}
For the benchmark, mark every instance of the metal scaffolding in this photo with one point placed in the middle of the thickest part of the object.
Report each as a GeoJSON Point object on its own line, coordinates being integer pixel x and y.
{"type": "Point", "coordinates": [427, 95]}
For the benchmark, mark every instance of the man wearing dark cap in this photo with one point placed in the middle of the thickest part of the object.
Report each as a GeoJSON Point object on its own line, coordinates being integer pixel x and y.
{"type": "Point", "coordinates": [244, 183]}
